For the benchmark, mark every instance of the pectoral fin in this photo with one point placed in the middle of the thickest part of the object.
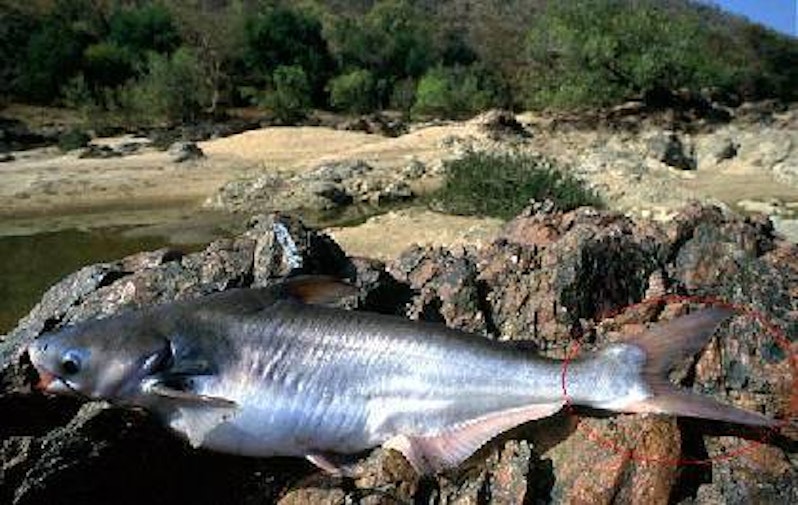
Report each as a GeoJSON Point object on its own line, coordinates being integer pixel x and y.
{"type": "Point", "coordinates": [431, 454]}
{"type": "Point", "coordinates": [194, 415]}
{"type": "Point", "coordinates": [190, 397]}
{"type": "Point", "coordinates": [196, 422]}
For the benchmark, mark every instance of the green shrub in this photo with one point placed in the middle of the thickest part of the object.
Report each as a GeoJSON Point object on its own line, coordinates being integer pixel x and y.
{"type": "Point", "coordinates": [289, 98]}
{"type": "Point", "coordinates": [353, 92]}
{"type": "Point", "coordinates": [73, 139]}
{"type": "Point", "coordinates": [502, 185]}
{"type": "Point", "coordinates": [454, 92]}
{"type": "Point", "coordinates": [172, 89]}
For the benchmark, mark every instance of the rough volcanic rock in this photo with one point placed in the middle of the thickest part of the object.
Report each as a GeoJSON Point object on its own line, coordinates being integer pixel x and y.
{"type": "Point", "coordinates": [550, 278]}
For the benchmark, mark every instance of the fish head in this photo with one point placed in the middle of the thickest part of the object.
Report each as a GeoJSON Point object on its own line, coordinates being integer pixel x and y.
{"type": "Point", "coordinates": [101, 359]}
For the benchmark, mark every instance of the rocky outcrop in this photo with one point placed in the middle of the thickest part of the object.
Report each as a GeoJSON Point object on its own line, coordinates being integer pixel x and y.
{"type": "Point", "coordinates": [549, 279]}
{"type": "Point", "coordinates": [329, 186]}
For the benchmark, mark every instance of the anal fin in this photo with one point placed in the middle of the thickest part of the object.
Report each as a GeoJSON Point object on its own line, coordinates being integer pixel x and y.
{"type": "Point", "coordinates": [430, 454]}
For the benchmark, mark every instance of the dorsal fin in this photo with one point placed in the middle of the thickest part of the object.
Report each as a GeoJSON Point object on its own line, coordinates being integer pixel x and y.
{"type": "Point", "coordinates": [431, 454]}
{"type": "Point", "coordinates": [317, 289]}
{"type": "Point", "coordinates": [310, 289]}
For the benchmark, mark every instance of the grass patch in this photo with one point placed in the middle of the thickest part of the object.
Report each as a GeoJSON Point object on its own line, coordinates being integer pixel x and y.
{"type": "Point", "coordinates": [501, 185]}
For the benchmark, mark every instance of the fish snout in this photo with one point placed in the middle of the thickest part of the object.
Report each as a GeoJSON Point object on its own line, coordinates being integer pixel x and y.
{"type": "Point", "coordinates": [37, 351]}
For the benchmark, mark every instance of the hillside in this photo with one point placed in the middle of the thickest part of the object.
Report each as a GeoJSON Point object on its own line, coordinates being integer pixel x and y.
{"type": "Point", "coordinates": [151, 62]}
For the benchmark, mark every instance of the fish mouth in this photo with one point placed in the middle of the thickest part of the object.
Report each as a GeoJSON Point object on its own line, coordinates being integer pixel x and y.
{"type": "Point", "coordinates": [51, 383]}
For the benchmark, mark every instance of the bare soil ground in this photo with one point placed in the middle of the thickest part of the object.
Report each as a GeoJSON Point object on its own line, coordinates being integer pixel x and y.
{"type": "Point", "coordinates": [45, 190]}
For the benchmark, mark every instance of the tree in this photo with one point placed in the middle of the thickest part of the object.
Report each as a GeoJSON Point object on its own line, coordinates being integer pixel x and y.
{"type": "Point", "coordinates": [144, 29]}
{"type": "Point", "coordinates": [15, 29]}
{"type": "Point", "coordinates": [279, 36]}
{"type": "Point", "coordinates": [173, 88]}
{"type": "Point", "coordinates": [354, 91]}
{"type": "Point", "coordinates": [289, 98]}
{"type": "Point", "coordinates": [106, 65]}
{"type": "Point", "coordinates": [597, 52]}
{"type": "Point", "coordinates": [53, 54]}
{"type": "Point", "coordinates": [217, 35]}
{"type": "Point", "coordinates": [394, 41]}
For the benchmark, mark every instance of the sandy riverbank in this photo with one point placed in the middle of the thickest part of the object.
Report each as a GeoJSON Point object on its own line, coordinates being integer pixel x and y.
{"type": "Point", "coordinates": [45, 190]}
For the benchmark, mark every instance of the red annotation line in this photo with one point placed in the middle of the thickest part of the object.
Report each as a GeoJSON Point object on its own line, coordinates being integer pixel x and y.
{"type": "Point", "coordinates": [776, 333]}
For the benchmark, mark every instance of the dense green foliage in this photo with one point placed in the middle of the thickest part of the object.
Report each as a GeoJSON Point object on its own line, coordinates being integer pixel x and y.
{"type": "Point", "coordinates": [502, 185]}
{"type": "Point", "coordinates": [171, 89]}
{"type": "Point", "coordinates": [284, 37]}
{"type": "Point", "coordinates": [446, 58]}
{"type": "Point", "coordinates": [455, 92]}
{"type": "Point", "coordinates": [353, 91]}
{"type": "Point", "coordinates": [599, 52]}
{"type": "Point", "coordinates": [289, 98]}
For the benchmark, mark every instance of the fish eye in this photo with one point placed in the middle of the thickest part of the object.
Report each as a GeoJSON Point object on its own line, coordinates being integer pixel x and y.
{"type": "Point", "coordinates": [71, 362]}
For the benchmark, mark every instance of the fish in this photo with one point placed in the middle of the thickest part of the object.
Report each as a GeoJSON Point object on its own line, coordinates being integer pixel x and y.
{"type": "Point", "coordinates": [281, 371]}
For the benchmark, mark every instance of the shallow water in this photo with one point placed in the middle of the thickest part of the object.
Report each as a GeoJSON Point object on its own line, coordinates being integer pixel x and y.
{"type": "Point", "coordinates": [32, 263]}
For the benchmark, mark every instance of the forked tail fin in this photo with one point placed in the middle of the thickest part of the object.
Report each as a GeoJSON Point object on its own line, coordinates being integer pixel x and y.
{"type": "Point", "coordinates": [667, 343]}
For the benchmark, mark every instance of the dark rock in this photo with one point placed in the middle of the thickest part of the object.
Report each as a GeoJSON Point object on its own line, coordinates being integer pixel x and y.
{"type": "Point", "coordinates": [185, 151]}
{"type": "Point", "coordinates": [98, 152]}
{"type": "Point", "coordinates": [549, 278]}
{"type": "Point", "coordinates": [132, 145]}
{"type": "Point", "coordinates": [16, 136]}
{"type": "Point", "coordinates": [198, 132]}
{"type": "Point", "coordinates": [500, 124]}
{"type": "Point", "coordinates": [6, 157]}
{"type": "Point", "coordinates": [718, 148]}
{"type": "Point", "coordinates": [668, 148]}
{"type": "Point", "coordinates": [376, 123]}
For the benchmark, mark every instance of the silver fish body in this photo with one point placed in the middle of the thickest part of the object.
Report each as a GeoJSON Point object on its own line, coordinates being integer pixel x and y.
{"type": "Point", "coordinates": [259, 373]}
{"type": "Point", "coordinates": [312, 379]}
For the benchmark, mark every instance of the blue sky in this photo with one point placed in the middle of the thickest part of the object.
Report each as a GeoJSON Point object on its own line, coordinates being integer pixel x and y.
{"type": "Point", "coordinates": [778, 14]}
